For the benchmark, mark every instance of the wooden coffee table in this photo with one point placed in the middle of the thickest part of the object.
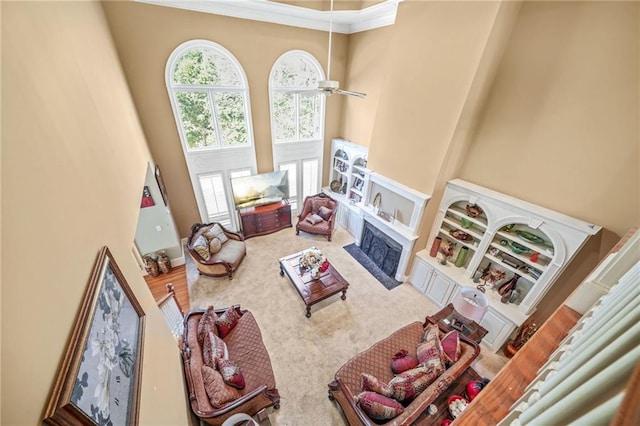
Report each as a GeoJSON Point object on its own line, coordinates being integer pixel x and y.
{"type": "Point", "coordinates": [312, 291]}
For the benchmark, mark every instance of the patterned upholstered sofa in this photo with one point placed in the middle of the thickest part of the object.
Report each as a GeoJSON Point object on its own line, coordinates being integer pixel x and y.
{"type": "Point", "coordinates": [376, 362]}
{"type": "Point", "coordinates": [246, 349]}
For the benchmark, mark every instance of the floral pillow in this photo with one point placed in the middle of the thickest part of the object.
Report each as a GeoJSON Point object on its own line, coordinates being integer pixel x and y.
{"type": "Point", "coordinates": [373, 384]}
{"type": "Point", "coordinates": [202, 248]}
{"type": "Point", "coordinates": [226, 322]}
{"type": "Point", "coordinates": [214, 348]}
{"type": "Point", "coordinates": [216, 232]}
{"type": "Point", "coordinates": [206, 324]}
{"type": "Point", "coordinates": [378, 407]}
{"type": "Point", "coordinates": [407, 385]}
{"type": "Point", "coordinates": [215, 245]}
{"type": "Point", "coordinates": [231, 373]}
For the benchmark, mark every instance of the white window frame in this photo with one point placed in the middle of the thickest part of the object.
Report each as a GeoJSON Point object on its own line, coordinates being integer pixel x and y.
{"type": "Point", "coordinates": [298, 150]}
{"type": "Point", "coordinates": [217, 159]}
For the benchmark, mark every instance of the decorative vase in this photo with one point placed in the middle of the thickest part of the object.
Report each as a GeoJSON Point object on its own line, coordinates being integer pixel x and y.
{"type": "Point", "coordinates": [508, 286]}
{"type": "Point", "coordinates": [435, 247]}
{"type": "Point", "coordinates": [151, 265]}
{"type": "Point", "coordinates": [316, 275]}
{"type": "Point", "coordinates": [462, 256]}
{"type": "Point", "coordinates": [164, 262]}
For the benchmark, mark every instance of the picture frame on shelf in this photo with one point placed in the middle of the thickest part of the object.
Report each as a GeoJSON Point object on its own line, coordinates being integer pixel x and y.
{"type": "Point", "coordinates": [100, 377]}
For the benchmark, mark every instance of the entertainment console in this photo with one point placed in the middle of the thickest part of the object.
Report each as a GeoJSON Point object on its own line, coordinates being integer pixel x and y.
{"type": "Point", "coordinates": [265, 219]}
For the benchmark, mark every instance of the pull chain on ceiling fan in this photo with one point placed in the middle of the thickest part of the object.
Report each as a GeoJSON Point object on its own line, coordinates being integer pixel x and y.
{"type": "Point", "coordinates": [328, 86]}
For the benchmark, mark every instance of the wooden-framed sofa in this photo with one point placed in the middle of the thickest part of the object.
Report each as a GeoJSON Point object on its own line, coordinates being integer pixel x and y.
{"type": "Point", "coordinates": [375, 361]}
{"type": "Point", "coordinates": [221, 263]}
{"type": "Point", "coordinates": [246, 349]}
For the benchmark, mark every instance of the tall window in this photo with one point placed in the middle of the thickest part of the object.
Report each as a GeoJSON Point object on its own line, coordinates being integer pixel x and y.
{"type": "Point", "coordinates": [210, 99]}
{"type": "Point", "coordinates": [297, 121]}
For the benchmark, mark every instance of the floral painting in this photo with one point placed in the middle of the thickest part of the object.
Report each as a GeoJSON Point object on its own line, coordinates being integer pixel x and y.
{"type": "Point", "coordinates": [105, 386]}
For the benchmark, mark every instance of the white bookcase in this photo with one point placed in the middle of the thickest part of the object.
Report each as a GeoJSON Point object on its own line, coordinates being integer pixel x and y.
{"type": "Point", "coordinates": [508, 235]}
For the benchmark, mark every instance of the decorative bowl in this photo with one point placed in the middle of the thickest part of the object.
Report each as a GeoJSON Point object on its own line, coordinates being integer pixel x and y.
{"type": "Point", "coordinates": [459, 235]}
{"type": "Point", "coordinates": [474, 210]}
{"type": "Point", "coordinates": [465, 223]}
{"type": "Point", "coordinates": [519, 248]}
{"type": "Point", "coordinates": [456, 405]}
{"type": "Point", "coordinates": [530, 237]}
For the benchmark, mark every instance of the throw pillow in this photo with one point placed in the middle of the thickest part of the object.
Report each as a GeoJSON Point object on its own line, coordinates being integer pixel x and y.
{"type": "Point", "coordinates": [313, 219]}
{"type": "Point", "coordinates": [207, 323]}
{"type": "Point", "coordinates": [373, 384]}
{"type": "Point", "coordinates": [214, 348]}
{"type": "Point", "coordinates": [402, 361]}
{"type": "Point", "coordinates": [316, 203]}
{"type": "Point", "coordinates": [430, 333]}
{"type": "Point", "coordinates": [215, 245]}
{"type": "Point", "coordinates": [451, 347]}
{"type": "Point", "coordinates": [325, 212]}
{"type": "Point", "coordinates": [379, 407]}
{"type": "Point", "coordinates": [430, 353]}
{"type": "Point", "coordinates": [202, 248]}
{"type": "Point", "coordinates": [216, 232]}
{"type": "Point", "coordinates": [218, 393]}
{"type": "Point", "coordinates": [411, 383]}
{"type": "Point", "coordinates": [231, 373]}
{"type": "Point", "coordinates": [226, 322]}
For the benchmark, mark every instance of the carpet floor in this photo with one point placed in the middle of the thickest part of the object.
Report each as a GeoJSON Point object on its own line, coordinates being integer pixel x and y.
{"type": "Point", "coordinates": [368, 264]}
{"type": "Point", "coordinates": [306, 352]}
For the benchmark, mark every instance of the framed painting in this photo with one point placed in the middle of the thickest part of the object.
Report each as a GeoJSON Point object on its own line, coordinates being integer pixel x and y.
{"type": "Point", "coordinates": [99, 380]}
{"type": "Point", "coordinates": [163, 189]}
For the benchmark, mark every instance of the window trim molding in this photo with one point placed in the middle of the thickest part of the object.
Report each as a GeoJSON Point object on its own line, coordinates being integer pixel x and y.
{"type": "Point", "coordinates": [171, 89]}
{"type": "Point", "coordinates": [316, 64]}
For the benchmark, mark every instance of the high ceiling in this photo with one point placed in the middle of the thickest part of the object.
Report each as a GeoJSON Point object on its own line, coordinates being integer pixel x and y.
{"type": "Point", "coordinates": [350, 16]}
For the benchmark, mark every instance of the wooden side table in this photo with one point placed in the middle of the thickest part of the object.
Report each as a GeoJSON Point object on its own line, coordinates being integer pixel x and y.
{"type": "Point", "coordinates": [448, 319]}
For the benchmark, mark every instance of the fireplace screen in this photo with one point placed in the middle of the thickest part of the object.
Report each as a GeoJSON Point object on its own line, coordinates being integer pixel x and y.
{"type": "Point", "coordinates": [381, 249]}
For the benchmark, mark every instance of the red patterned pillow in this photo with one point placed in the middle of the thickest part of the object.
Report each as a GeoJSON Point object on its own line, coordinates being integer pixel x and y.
{"type": "Point", "coordinates": [226, 322]}
{"type": "Point", "coordinates": [430, 333]}
{"type": "Point", "coordinates": [206, 324]}
{"type": "Point", "coordinates": [379, 407]}
{"type": "Point", "coordinates": [219, 393]}
{"type": "Point", "coordinates": [231, 373]}
{"type": "Point", "coordinates": [373, 384]}
{"type": "Point", "coordinates": [214, 348]}
{"type": "Point", "coordinates": [451, 347]}
{"type": "Point", "coordinates": [402, 361]}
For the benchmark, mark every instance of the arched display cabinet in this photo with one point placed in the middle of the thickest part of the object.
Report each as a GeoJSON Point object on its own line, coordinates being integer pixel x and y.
{"type": "Point", "coordinates": [507, 242]}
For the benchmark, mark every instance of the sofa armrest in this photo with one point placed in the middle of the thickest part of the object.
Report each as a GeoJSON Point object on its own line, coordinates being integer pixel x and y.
{"type": "Point", "coordinates": [339, 385]}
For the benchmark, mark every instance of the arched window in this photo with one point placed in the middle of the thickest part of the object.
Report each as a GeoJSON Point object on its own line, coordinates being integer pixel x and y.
{"type": "Point", "coordinates": [297, 116]}
{"type": "Point", "coordinates": [210, 99]}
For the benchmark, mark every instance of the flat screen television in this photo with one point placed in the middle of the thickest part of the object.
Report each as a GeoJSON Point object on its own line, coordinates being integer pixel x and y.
{"type": "Point", "coordinates": [260, 189]}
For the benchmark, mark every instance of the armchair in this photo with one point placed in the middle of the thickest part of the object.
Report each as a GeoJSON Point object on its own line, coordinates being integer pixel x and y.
{"type": "Point", "coordinates": [317, 215]}
{"type": "Point", "coordinates": [215, 258]}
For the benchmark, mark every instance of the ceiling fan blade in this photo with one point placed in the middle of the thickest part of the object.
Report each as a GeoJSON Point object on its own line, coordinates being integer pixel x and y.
{"type": "Point", "coordinates": [351, 93]}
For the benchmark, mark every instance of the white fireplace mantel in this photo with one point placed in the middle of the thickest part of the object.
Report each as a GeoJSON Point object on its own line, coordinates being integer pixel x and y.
{"type": "Point", "coordinates": [404, 233]}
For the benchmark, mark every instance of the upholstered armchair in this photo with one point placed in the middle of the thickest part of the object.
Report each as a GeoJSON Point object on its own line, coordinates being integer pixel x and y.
{"type": "Point", "coordinates": [216, 251]}
{"type": "Point", "coordinates": [317, 215]}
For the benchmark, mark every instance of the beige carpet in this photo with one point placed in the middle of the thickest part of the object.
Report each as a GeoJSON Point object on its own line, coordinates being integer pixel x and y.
{"type": "Point", "coordinates": [306, 352]}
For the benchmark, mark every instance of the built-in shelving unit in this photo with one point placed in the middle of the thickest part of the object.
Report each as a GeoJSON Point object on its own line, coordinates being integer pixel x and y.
{"type": "Point", "coordinates": [506, 239]}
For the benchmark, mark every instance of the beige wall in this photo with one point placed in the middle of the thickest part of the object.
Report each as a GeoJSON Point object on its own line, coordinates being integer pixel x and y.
{"type": "Point", "coordinates": [74, 160]}
{"type": "Point", "coordinates": [561, 127]}
{"type": "Point", "coordinates": [432, 58]}
{"type": "Point", "coordinates": [145, 36]}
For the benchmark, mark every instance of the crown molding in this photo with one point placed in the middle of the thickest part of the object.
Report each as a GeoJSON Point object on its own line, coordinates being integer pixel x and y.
{"type": "Point", "coordinates": [344, 21]}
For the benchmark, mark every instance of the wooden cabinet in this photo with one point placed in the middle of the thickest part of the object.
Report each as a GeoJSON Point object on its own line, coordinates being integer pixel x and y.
{"type": "Point", "coordinates": [264, 220]}
{"type": "Point", "coordinates": [503, 236]}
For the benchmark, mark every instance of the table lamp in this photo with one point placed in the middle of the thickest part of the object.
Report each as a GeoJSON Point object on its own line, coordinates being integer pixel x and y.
{"type": "Point", "coordinates": [471, 304]}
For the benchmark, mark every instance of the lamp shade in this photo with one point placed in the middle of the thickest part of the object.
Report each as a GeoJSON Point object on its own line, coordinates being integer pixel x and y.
{"type": "Point", "coordinates": [471, 303]}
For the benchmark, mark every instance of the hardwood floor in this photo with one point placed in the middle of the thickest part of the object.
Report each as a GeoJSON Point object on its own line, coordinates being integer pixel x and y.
{"type": "Point", "coordinates": [177, 277]}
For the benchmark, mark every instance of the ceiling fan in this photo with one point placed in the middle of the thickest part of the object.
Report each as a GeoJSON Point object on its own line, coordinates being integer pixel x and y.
{"type": "Point", "coordinates": [328, 86]}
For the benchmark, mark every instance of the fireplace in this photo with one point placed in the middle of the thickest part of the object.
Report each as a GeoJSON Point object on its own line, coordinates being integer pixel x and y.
{"type": "Point", "coordinates": [381, 249]}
